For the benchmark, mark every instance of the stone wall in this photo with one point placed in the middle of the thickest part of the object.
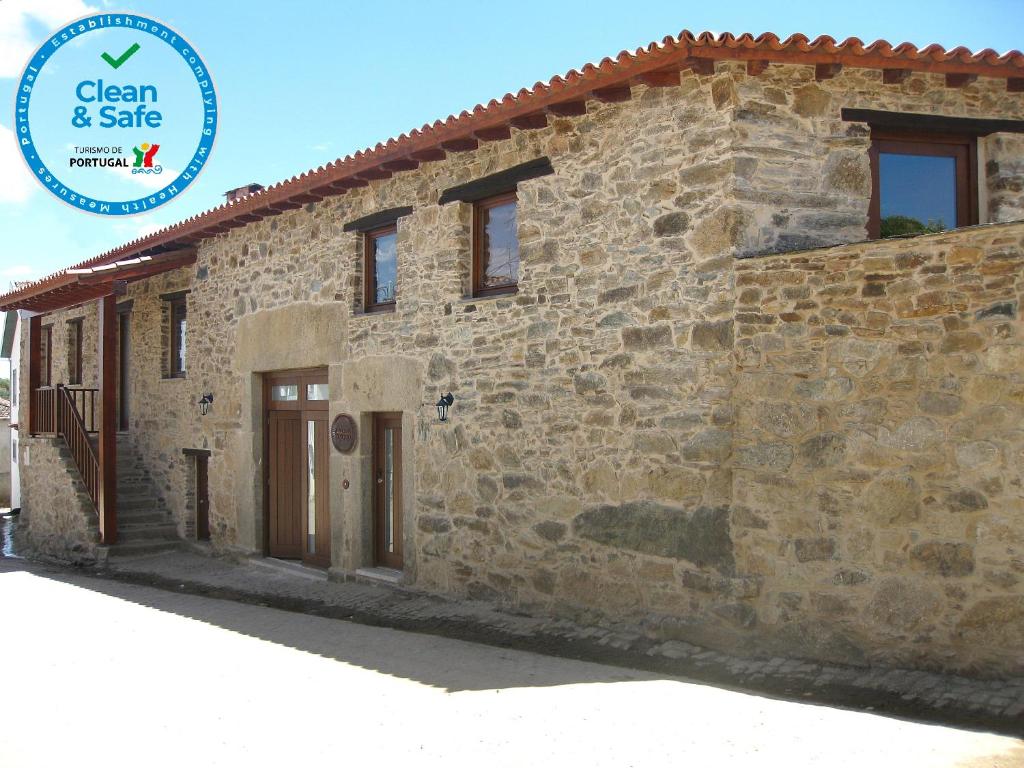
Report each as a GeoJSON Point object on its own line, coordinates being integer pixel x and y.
{"type": "Point", "coordinates": [877, 462]}
{"type": "Point", "coordinates": [58, 518]}
{"type": "Point", "coordinates": [649, 430]}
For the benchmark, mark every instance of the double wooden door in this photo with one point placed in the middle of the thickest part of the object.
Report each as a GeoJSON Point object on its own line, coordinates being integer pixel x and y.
{"type": "Point", "coordinates": [298, 491]}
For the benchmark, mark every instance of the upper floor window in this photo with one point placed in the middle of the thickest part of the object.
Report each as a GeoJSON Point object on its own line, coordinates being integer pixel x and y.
{"type": "Point", "coordinates": [495, 245]}
{"type": "Point", "coordinates": [74, 351]}
{"type": "Point", "coordinates": [178, 315]}
{"type": "Point", "coordinates": [46, 356]}
{"type": "Point", "coordinates": [381, 259]}
{"type": "Point", "coordinates": [922, 183]}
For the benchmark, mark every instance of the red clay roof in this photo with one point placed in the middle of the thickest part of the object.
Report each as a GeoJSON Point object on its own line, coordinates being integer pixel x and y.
{"type": "Point", "coordinates": [566, 94]}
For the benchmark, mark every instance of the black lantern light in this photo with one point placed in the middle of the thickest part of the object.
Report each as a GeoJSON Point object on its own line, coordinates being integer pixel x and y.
{"type": "Point", "coordinates": [204, 403]}
{"type": "Point", "coordinates": [443, 405]}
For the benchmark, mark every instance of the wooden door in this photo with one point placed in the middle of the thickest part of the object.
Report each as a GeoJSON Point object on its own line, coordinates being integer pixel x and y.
{"type": "Point", "coordinates": [387, 490]}
{"type": "Point", "coordinates": [123, 340]}
{"type": "Point", "coordinates": [285, 464]}
{"type": "Point", "coordinates": [298, 482]}
{"type": "Point", "coordinates": [202, 498]}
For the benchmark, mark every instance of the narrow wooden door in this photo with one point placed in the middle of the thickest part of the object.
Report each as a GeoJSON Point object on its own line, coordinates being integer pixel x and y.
{"type": "Point", "coordinates": [387, 489]}
{"type": "Point", "coordinates": [202, 498]}
{"type": "Point", "coordinates": [297, 450]}
{"type": "Point", "coordinates": [285, 457]}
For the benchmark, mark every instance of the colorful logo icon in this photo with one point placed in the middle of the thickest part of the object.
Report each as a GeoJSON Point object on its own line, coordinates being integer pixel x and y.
{"type": "Point", "coordinates": [144, 154]}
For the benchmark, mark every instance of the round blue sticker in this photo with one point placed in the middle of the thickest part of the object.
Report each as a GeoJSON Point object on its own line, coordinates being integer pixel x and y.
{"type": "Point", "coordinates": [116, 114]}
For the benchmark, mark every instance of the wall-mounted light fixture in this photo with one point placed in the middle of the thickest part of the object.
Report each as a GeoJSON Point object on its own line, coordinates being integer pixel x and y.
{"type": "Point", "coordinates": [443, 405]}
{"type": "Point", "coordinates": [204, 403]}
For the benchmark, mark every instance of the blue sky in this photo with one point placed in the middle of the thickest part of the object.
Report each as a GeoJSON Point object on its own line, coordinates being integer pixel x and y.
{"type": "Point", "coordinates": [304, 82]}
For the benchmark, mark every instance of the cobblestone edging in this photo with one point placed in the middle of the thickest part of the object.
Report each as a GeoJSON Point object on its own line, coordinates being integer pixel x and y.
{"type": "Point", "coordinates": [988, 703]}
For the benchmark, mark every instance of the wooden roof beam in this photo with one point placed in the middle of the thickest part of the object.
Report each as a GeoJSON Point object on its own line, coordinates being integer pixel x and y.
{"type": "Point", "coordinates": [660, 79]}
{"type": "Point", "coordinates": [1015, 84]}
{"type": "Point", "coordinates": [498, 133]}
{"type": "Point", "coordinates": [826, 71]}
{"type": "Point", "coordinates": [530, 122]}
{"type": "Point", "coordinates": [568, 108]}
{"type": "Point", "coordinates": [405, 164]}
{"type": "Point", "coordinates": [374, 174]}
{"type": "Point", "coordinates": [460, 145]}
{"type": "Point", "coordinates": [959, 80]}
{"type": "Point", "coordinates": [428, 155]}
{"type": "Point", "coordinates": [613, 94]}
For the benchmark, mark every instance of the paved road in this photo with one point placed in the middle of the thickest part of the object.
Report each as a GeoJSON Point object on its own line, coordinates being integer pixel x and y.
{"type": "Point", "coordinates": [112, 674]}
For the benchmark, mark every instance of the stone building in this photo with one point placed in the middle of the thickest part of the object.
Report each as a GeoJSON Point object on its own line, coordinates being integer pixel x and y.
{"type": "Point", "coordinates": [731, 328]}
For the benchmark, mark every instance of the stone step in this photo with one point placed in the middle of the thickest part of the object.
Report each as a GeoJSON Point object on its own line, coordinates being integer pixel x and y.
{"type": "Point", "coordinates": [142, 518]}
{"type": "Point", "coordinates": [136, 548]}
{"type": "Point", "coordinates": [127, 533]}
{"type": "Point", "coordinates": [141, 503]}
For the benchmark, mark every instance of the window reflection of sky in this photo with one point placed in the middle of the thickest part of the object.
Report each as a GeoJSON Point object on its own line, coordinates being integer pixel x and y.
{"type": "Point", "coordinates": [921, 187]}
{"type": "Point", "coordinates": [385, 267]}
{"type": "Point", "coordinates": [502, 245]}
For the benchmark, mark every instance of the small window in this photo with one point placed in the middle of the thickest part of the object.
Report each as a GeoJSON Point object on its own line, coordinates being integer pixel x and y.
{"type": "Point", "coordinates": [381, 258]}
{"type": "Point", "coordinates": [46, 356]}
{"type": "Point", "coordinates": [178, 313]}
{"type": "Point", "coordinates": [495, 245]}
{"type": "Point", "coordinates": [922, 183]}
{"type": "Point", "coordinates": [316, 392]}
{"type": "Point", "coordinates": [74, 351]}
{"type": "Point", "coordinates": [284, 393]}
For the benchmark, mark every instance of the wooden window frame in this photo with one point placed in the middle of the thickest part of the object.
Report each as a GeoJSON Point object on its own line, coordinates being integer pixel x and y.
{"type": "Point", "coordinates": [480, 209]}
{"type": "Point", "coordinates": [174, 370]}
{"type": "Point", "coordinates": [963, 148]}
{"type": "Point", "coordinates": [370, 273]}
{"type": "Point", "coordinates": [75, 339]}
{"type": "Point", "coordinates": [46, 341]}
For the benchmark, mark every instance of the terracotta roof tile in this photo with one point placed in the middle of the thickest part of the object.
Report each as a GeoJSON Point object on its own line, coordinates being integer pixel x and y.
{"type": "Point", "coordinates": [672, 53]}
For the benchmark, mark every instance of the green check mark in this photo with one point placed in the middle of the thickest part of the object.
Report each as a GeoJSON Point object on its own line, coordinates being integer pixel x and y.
{"type": "Point", "coordinates": [115, 63]}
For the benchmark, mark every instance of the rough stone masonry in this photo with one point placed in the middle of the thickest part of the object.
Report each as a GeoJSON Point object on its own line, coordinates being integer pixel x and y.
{"type": "Point", "coordinates": [710, 410]}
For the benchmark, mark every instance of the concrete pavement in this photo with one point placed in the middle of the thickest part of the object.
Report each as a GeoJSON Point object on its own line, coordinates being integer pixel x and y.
{"type": "Point", "coordinates": [102, 672]}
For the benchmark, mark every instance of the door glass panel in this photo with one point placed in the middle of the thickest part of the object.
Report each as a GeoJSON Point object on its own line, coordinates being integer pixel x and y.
{"type": "Point", "coordinates": [389, 489]}
{"type": "Point", "coordinates": [311, 486]}
{"type": "Point", "coordinates": [918, 193]}
{"type": "Point", "coordinates": [316, 391]}
{"type": "Point", "coordinates": [284, 392]}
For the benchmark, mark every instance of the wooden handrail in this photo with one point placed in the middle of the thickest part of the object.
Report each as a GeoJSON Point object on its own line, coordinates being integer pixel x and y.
{"type": "Point", "coordinates": [85, 403]}
{"type": "Point", "coordinates": [72, 428]}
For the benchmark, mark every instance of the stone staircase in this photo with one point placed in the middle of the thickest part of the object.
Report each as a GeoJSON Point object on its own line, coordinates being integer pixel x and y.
{"type": "Point", "coordinates": [144, 524]}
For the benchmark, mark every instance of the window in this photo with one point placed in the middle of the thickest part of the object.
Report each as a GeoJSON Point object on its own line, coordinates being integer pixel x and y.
{"type": "Point", "coordinates": [381, 258]}
{"type": "Point", "coordinates": [922, 183]}
{"type": "Point", "coordinates": [178, 315]}
{"type": "Point", "coordinates": [46, 356]}
{"type": "Point", "coordinates": [74, 351]}
{"type": "Point", "coordinates": [495, 245]}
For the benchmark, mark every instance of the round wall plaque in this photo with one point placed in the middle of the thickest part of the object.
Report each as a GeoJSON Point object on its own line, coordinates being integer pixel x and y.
{"type": "Point", "coordinates": [344, 433]}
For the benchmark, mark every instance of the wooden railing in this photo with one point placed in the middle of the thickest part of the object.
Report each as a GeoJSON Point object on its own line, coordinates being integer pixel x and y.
{"type": "Point", "coordinates": [85, 403]}
{"type": "Point", "coordinates": [44, 411]}
{"type": "Point", "coordinates": [70, 412]}
{"type": "Point", "coordinates": [72, 427]}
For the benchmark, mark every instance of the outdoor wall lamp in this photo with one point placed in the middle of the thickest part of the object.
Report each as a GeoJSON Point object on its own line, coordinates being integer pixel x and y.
{"type": "Point", "coordinates": [443, 405]}
{"type": "Point", "coordinates": [204, 403]}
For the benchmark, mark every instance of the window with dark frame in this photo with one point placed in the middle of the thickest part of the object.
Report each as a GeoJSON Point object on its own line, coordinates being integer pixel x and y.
{"type": "Point", "coordinates": [178, 315]}
{"type": "Point", "coordinates": [380, 249]}
{"type": "Point", "coordinates": [75, 351]}
{"type": "Point", "coordinates": [46, 356]}
{"type": "Point", "coordinates": [922, 182]}
{"type": "Point", "coordinates": [495, 245]}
